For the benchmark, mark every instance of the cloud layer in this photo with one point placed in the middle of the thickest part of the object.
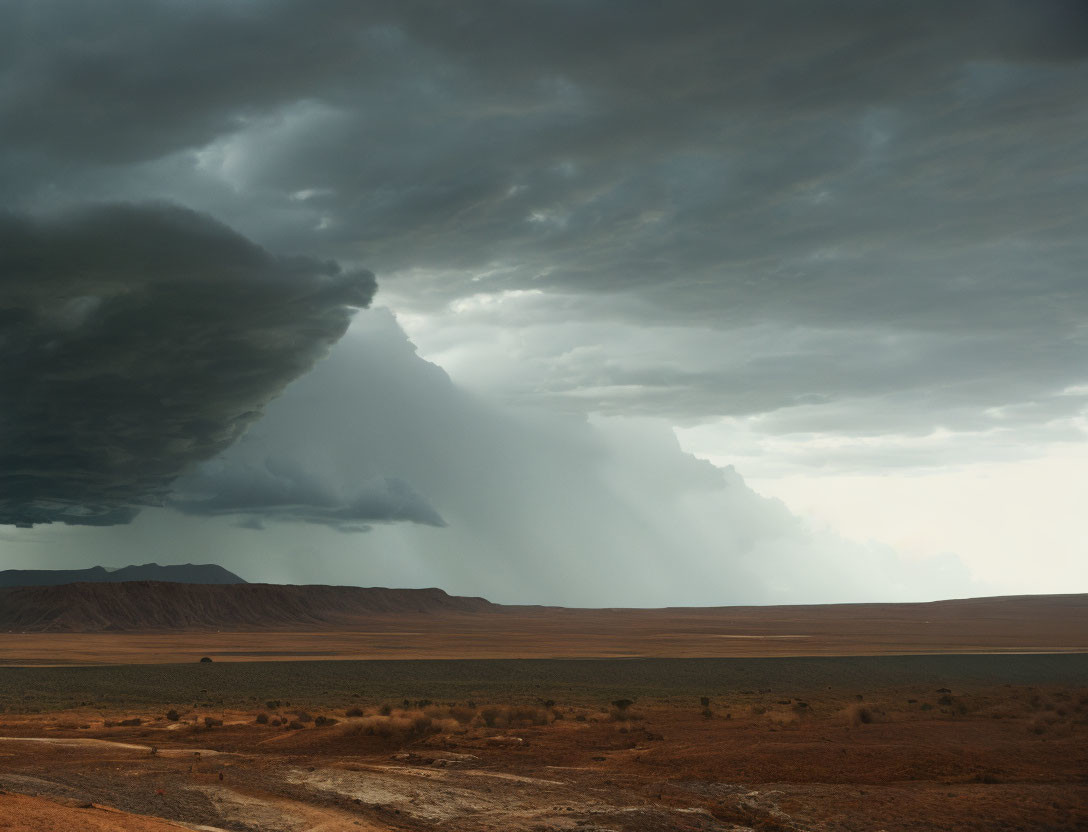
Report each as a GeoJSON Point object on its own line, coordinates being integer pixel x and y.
{"type": "Point", "coordinates": [138, 340]}
{"type": "Point", "coordinates": [865, 210]}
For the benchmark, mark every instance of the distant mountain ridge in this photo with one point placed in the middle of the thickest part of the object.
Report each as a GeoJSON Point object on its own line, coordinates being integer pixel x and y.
{"type": "Point", "coordinates": [186, 573]}
{"type": "Point", "coordinates": [151, 605]}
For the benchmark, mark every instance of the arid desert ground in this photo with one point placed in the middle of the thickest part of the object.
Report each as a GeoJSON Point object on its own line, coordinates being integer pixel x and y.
{"type": "Point", "coordinates": [866, 718]}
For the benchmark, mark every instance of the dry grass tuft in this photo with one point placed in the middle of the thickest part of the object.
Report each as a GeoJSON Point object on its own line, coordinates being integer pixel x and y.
{"type": "Point", "coordinates": [784, 718]}
{"type": "Point", "coordinates": [462, 714]}
{"type": "Point", "coordinates": [859, 714]}
{"type": "Point", "coordinates": [399, 728]}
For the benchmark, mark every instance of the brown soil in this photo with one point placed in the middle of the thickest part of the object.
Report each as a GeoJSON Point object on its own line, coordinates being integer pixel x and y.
{"type": "Point", "coordinates": [443, 626]}
{"type": "Point", "coordinates": [1002, 758]}
{"type": "Point", "coordinates": [19, 813]}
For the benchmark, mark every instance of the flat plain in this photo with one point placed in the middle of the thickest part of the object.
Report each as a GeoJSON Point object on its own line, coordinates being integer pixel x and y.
{"type": "Point", "coordinates": [968, 715]}
{"type": "Point", "coordinates": [1026, 624]}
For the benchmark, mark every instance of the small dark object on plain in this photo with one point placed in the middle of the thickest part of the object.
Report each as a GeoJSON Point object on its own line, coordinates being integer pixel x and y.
{"type": "Point", "coordinates": [206, 660]}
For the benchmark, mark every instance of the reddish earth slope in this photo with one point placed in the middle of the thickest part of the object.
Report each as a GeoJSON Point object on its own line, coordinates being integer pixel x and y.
{"type": "Point", "coordinates": [150, 605]}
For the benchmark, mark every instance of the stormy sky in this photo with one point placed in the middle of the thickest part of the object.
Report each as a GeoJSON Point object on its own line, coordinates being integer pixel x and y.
{"type": "Point", "coordinates": [596, 302]}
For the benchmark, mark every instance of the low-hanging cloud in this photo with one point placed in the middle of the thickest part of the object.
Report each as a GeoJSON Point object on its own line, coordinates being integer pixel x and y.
{"type": "Point", "coordinates": [138, 340]}
{"type": "Point", "coordinates": [282, 489]}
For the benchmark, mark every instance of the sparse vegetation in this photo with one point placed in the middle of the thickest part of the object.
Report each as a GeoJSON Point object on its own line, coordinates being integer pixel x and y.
{"type": "Point", "coordinates": [621, 710]}
{"type": "Point", "coordinates": [858, 714]}
{"type": "Point", "coordinates": [463, 714]}
{"type": "Point", "coordinates": [472, 682]}
{"type": "Point", "coordinates": [396, 728]}
{"type": "Point", "coordinates": [670, 748]}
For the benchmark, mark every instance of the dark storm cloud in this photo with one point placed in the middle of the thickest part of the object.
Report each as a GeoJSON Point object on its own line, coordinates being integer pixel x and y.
{"type": "Point", "coordinates": [138, 340]}
{"type": "Point", "coordinates": [281, 489]}
{"type": "Point", "coordinates": [876, 174]}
